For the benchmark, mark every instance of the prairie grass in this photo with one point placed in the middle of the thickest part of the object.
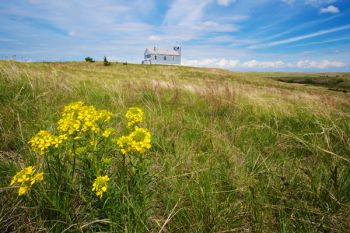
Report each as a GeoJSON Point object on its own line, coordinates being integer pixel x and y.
{"type": "Point", "coordinates": [231, 152]}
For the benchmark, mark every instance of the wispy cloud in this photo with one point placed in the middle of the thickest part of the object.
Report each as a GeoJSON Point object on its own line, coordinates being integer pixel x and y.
{"type": "Point", "coordinates": [314, 3]}
{"type": "Point", "coordinates": [185, 12]}
{"type": "Point", "coordinates": [303, 37]}
{"type": "Point", "coordinates": [324, 41]}
{"type": "Point", "coordinates": [187, 20]}
{"type": "Point", "coordinates": [305, 25]}
{"type": "Point", "coordinates": [234, 18]}
{"type": "Point", "coordinates": [231, 40]}
{"type": "Point", "coordinates": [317, 3]}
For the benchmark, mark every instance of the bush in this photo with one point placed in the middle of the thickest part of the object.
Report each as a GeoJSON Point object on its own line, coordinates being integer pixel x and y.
{"type": "Point", "coordinates": [89, 59]}
{"type": "Point", "coordinates": [106, 62]}
{"type": "Point", "coordinates": [84, 171]}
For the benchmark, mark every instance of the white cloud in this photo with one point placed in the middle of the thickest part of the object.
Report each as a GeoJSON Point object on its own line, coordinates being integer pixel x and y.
{"type": "Point", "coordinates": [330, 9]}
{"type": "Point", "coordinates": [228, 63]}
{"type": "Point", "coordinates": [212, 62]}
{"type": "Point", "coordinates": [324, 64]}
{"type": "Point", "coordinates": [264, 65]}
{"type": "Point", "coordinates": [225, 2]}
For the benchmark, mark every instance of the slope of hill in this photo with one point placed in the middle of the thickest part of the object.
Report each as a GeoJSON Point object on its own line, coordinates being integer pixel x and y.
{"type": "Point", "coordinates": [333, 81]}
{"type": "Point", "coordinates": [231, 152]}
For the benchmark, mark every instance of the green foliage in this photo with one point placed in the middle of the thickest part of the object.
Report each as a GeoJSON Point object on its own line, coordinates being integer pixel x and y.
{"type": "Point", "coordinates": [89, 59]}
{"type": "Point", "coordinates": [106, 62]}
{"type": "Point", "coordinates": [230, 151]}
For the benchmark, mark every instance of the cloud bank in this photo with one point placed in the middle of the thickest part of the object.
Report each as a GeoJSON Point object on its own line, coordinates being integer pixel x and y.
{"type": "Point", "coordinates": [266, 65]}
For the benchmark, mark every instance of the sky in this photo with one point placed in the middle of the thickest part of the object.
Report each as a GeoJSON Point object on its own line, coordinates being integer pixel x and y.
{"type": "Point", "coordinates": [242, 35]}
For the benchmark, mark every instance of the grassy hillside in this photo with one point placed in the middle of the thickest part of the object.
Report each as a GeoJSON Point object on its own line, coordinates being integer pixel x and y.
{"type": "Point", "coordinates": [231, 152]}
{"type": "Point", "coordinates": [332, 81]}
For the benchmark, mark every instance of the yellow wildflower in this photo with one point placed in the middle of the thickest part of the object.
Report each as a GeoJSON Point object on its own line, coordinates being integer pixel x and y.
{"type": "Point", "coordinates": [134, 115]}
{"type": "Point", "coordinates": [108, 132]}
{"type": "Point", "coordinates": [25, 179]}
{"type": "Point", "coordinates": [58, 140]}
{"type": "Point", "coordinates": [43, 140]}
{"type": "Point", "coordinates": [100, 185]}
{"type": "Point", "coordinates": [123, 143]}
{"type": "Point", "coordinates": [79, 118]}
{"type": "Point", "coordinates": [22, 190]}
{"type": "Point", "coordinates": [137, 141]}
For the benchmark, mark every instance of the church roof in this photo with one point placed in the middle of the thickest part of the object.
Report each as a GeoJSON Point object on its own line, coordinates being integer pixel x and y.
{"type": "Point", "coordinates": [158, 51]}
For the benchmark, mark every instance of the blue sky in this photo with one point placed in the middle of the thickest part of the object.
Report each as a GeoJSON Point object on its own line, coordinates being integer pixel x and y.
{"type": "Point", "coordinates": [259, 35]}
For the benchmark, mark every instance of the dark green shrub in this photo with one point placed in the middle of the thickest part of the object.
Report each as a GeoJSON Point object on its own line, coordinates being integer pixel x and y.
{"type": "Point", "coordinates": [106, 62]}
{"type": "Point", "coordinates": [89, 59]}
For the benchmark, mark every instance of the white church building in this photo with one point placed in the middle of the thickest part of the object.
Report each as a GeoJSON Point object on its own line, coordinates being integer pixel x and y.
{"type": "Point", "coordinates": [163, 56]}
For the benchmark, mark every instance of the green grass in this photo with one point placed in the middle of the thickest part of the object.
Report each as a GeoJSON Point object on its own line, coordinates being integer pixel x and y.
{"type": "Point", "coordinates": [232, 152]}
{"type": "Point", "coordinates": [332, 81]}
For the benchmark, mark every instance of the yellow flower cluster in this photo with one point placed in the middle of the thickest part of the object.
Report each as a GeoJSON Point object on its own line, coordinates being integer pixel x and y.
{"type": "Point", "coordinates": [100, 185]}
{"type": "Point", "coordinates": [137, 141]}
{"type": "Point", "coordinates": [108, 132]}
{"type": "Point", "coordinates": [43, 140]}
{"type": "Point", "coordinates": [134, 115]}
{"type": "Point", "coordinates": [26, 178]}
{"type": "Point", "coordinates": [77, 118]}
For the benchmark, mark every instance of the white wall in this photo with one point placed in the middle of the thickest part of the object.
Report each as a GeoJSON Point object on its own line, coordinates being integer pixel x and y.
{"type": "Point", "coordinates": [159, 59]}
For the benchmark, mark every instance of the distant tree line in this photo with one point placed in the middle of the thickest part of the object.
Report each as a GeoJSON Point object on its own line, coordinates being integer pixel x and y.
{"type": "Point", "coordinates": [105, 61]}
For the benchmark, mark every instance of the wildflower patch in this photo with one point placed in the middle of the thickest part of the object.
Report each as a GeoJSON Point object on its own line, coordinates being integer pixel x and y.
{"type": "Point", "coordinates": [85, 149]}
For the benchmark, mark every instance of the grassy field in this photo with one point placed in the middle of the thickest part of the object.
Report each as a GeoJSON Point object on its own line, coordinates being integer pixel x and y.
{"type": "Point", "coordinates": [231, 152]}
{"type": "Point", "coordinates": [332, 81]}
